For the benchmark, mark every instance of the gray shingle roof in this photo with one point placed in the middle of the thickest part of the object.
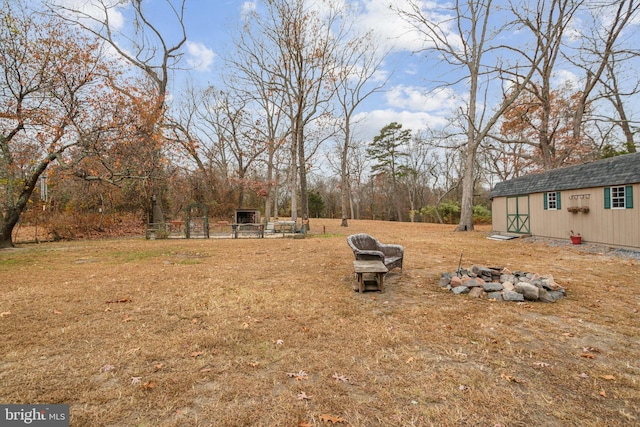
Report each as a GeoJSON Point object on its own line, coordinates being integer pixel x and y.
{"type": "Point", "coordinates": [618, 170]}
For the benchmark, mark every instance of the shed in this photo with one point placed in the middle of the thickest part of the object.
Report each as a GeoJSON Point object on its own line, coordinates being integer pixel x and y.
{"type": "Point", "coordinates": [594, 199]}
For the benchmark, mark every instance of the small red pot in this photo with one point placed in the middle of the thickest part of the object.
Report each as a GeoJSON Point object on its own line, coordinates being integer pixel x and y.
{"type": "Point", "coordinates": [576, 240]}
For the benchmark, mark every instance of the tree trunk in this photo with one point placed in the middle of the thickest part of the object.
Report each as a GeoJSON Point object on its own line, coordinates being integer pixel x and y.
{"type": "Point", "coordinates": [294, 180]}
{"type": "Point", "coordinates": [13, 214]}
{"type": "Point", "coordinates": [304, 199]}
{"type": "Point", "coordinates": [344, 178]}
{"type": "Point", "coordinates": [6, 231]}
{"type": "Point", "coordinates": [466, 206]}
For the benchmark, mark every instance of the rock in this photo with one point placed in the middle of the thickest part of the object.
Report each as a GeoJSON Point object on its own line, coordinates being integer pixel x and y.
{"type": "Point", "coordinates": [530, 292]}
{"type": "Point", "coordinates": [495, 295]}
{"type": "Point", "coordinates": [445, 280]}
{"type": "Point", "coordinates": [473, 283]}
{"type": "Point", "coordinates": [460, 290]}
{"type": "Point", "coordinates": [512, 296]}
{"type": "Point", "coordinates": [555, 295]}
{"type": "Point", "coordinates": [508, 286]}
{"type": "Point", "coordinates": [508, 278]}
{"type": "Point", "coordinates": [545, 297]}
{"type": "Point", "coordinates": [476, 292]}
{"type": "Point", "coordinates": [499, 283]}
{"type": "Point", "coordinates": [482, 271]}
{"type": "Point", "coordinates": [492, 287]}
{"type": "Point", "coordinates": [537, 283]}
{"type": "Point", "coordinates": [455, 282]}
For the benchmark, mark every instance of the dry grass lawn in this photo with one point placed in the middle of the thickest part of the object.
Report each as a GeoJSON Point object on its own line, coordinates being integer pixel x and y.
{"type": "Point", "coordinates": [268, 332]}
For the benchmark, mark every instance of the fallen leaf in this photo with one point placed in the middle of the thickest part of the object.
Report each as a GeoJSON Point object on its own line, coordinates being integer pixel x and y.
{"type": "Point", "coordinates": [302, 375]}
{"type": "Point", "coordinates": [5, 313]}
{"type": "Point", "coordinates": [133, 350]}
{"type": "Point", "coordinates": [114, 301]}
{"type": "Point", "coordinates": [148, 385]}
{"type": "Point", "coordinates": [608, 377]}
{"type": "Point", "coordinates": [510, 379]}
{"type": "Point", "coordinates": [603, 393]}
{"type": "Point", "coordinates": [159, 366]}
{"type": "Point", "coordinates": [541, 364]}
{"type": "Point", "coordinates": [463, 387]}
{"type": "Point", "coordinates": [57, 312]}
{"type": "Point", "coordinates": [254, 364]}
{"type": "Point", "coordinates": [305, 423]}
{"type": "Point", "coordinates": [245, 325]}
{"type": "Point", "coordinates": [278, 342]}
{"type": "Point", "coordinates": [591, 350]}
{"type": "Point", "coordinates": [197, 353]}
{"type": "Point", "coordinates": [303, 396]}
{"type": "Point", "coordinates": [304, 329]}
{"type": "Point", "coordinates": [136, 380]}
{"type": "Point", "coordinates": [332, 419]}
{"type": "Point", "coordinates": [340, 378]}
{"type": "Point", "coordinates": [127, 318]}
{"type": "Point", "coordinates": [583, 375]}
{"type": "Point", "coordinates": [588, 355]}
{"type": "Point", "coordinates": [409, 360]}
{"type": "Point", "coordinates": [205, 370]}
{"type": "Point", "coordinates": [107, 368]}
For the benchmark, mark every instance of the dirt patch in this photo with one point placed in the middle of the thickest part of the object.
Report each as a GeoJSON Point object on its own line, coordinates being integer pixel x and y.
{"type": "Point", "coordinates": [206, 332]}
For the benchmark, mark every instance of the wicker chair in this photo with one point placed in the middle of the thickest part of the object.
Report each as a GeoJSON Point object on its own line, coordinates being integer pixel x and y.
{"type": "Point", "coordinates": [366, 247]}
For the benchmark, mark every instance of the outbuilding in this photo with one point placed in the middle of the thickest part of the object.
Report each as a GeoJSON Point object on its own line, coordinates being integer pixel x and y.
{"type": "Point", "coordinates": [594, 200]}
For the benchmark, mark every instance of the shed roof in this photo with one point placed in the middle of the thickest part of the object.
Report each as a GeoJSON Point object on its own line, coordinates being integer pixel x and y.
{"type": "Point", "coordinates": [619, 170]}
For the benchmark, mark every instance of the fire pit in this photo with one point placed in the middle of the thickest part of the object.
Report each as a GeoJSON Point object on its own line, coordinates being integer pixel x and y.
{"type": "Point", "coordinates": [499, 283]}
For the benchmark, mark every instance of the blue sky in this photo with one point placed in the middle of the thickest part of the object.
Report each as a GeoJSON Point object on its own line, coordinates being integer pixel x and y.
{"type": "Point", "coordinates": [409, 98]}
{"type": "Point", "coordinates": [210, 26]}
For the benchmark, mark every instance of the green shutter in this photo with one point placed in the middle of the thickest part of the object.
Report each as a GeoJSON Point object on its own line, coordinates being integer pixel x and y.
{"type": "Point", "coordinates": [546, 203]}
{"type": "Point", "coordinates": [558, 200]}
{"type": "Point", "coordinates": [628, 196]}
{"type": "Point", "coordinates": [607, 198]}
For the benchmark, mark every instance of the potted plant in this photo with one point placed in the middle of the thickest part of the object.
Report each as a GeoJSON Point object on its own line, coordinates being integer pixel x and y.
{"type": "Point", "coordinates": [584, 209]}
{"type": "Point", "coordinates": [576, 238]}
{"type": "Point", "coordinates": [573, 209]}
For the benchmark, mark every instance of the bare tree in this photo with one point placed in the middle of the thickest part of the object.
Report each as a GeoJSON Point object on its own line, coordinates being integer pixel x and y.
{"type": "Point", "coordinates": [616, 95]}
{"type": "Point", "coordinates": [253, 66]}
{"type": "Point", "coordinates": [356, 77]}
{"type": "Point", "coordinates": [550, 119]}
{"type": "Point", "coordinates": [52, 103]}
{"type": "Point", "coordinates": [146, 48]}
{"type": "Point", "coordinates": [301, 44]}
{"type": "Point", "coordinates": [609, 19]}
{"type": "Point", "coordinates": [461, 36]}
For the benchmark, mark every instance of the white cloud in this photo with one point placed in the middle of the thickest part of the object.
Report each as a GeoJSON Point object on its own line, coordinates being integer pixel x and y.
{"type": "Point", "coordinates": [199, 57]}
{"type": "Point", "coordinates": [369, 124]}
{"type": "Point", "coordinates": [565, 78]}
{"type": "Point", "coordinates": [247, 8]}
{"type": "Point", "coordinates": [416, 98]}
{"type": "Point", "coordinates": [392, 29]}
{"type": "Point", "coordinates": [92, 12]}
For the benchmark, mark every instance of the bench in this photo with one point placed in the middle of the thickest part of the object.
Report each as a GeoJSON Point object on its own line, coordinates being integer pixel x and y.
{"type": "Point", "coordinates": [247, 230]}
{"type": "Point", "coordinates": [286, 227]}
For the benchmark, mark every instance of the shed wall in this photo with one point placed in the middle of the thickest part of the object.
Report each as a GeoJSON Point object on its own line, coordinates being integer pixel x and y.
{"type": "Point", "coordinates": [615, 227]}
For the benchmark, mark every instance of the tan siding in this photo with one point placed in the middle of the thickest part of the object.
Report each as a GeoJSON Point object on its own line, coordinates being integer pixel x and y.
{"type": "Point", "coordinates": [499, 214]}
{"type": "Point", "coordinates": [616, 227]}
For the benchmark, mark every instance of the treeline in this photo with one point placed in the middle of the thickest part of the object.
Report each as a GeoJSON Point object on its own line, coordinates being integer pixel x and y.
{"type": "Point", "coordinates": [89, 126]}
